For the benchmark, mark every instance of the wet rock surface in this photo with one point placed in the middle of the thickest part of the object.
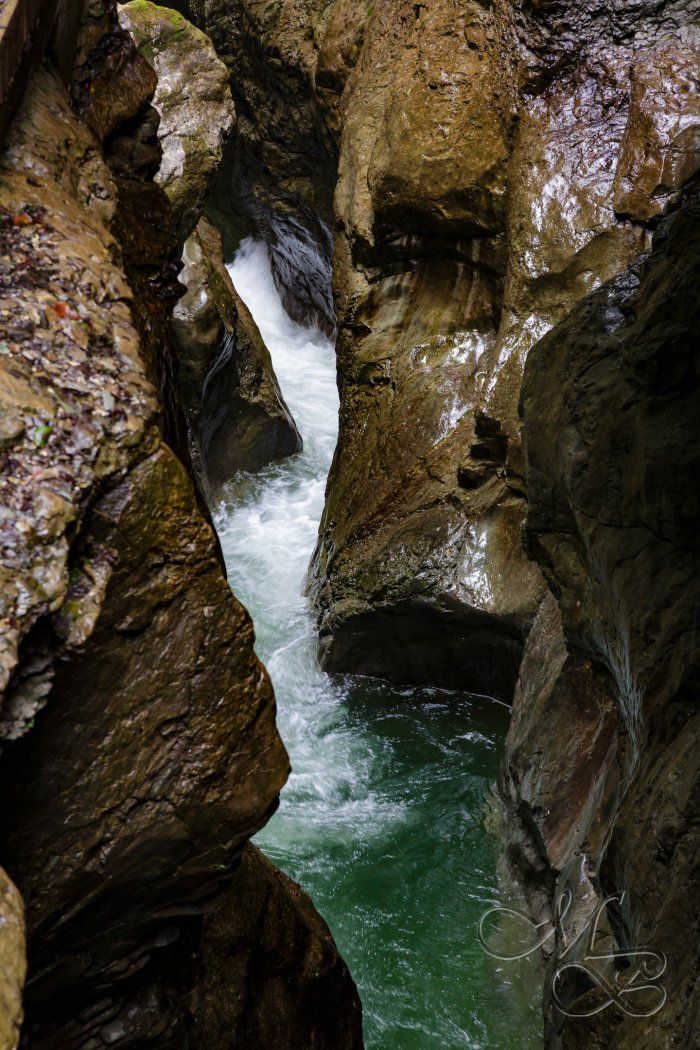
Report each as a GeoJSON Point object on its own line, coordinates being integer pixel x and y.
{"type": "Point", "coordinates": [125, 795]}
{"type": "Point", "coordinates": [465, 231]}
{"type": "Point", "coordinates": [237, 417]}
{"type": "Point", "coordinates": [140, 750]}
{"type": "Point", "coordinates": [610, 402]}
{"type": "Point", "coordinates": [278, 170]}
{"type": "Point", "coordinates": [193, 101]}
{"type": "Point", "coordinates": [80, 408]}
{"type": "Point", "coordinates": [266, 938]}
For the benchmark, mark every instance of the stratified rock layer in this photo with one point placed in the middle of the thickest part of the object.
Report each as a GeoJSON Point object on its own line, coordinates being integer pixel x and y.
{"type": "Point", "coordinates": [237, 416]}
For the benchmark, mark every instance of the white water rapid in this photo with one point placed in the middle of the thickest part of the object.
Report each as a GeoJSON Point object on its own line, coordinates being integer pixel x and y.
{"type": "Point", "coordinates": [382, 818]}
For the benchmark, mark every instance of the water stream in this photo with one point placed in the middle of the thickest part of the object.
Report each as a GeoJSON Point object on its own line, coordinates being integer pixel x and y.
{"type": "Point", "coordinates": [382, 820]}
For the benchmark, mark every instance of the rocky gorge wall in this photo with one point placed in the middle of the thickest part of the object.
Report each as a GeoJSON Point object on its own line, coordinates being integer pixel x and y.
{"type": "Point", "coordinates": [139, 745]}
{"type": "Point", "coordinates": [502, 171]}
{"type": "Point", "coordinates": [509, 190]}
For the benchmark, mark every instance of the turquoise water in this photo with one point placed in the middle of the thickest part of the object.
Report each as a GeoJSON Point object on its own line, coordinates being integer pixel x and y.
{"type": "Point", "coordinates": [382, 820]}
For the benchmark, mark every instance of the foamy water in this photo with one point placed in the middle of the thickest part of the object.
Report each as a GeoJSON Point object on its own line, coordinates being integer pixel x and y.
{"type": "Point", "coordinates": [382, 818]}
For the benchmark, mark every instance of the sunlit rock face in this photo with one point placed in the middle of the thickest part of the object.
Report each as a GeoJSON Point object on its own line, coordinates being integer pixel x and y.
{"type": "Point", "coordinates": [466, 229]}
{"type": "Point", "coordinates": [603, 751]}
{"type": "Point", "coordinates": [192, 80]}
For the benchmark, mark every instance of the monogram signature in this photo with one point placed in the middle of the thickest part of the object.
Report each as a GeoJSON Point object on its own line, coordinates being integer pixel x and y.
{"type": "Point", "coordinates": [628, 978]}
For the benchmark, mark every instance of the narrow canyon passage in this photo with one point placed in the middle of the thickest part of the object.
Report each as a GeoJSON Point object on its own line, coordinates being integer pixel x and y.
{"type": "Point", "coordinates": [382, 820]}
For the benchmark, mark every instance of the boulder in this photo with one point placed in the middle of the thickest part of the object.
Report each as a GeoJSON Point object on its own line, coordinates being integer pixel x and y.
{"type": "Point", "coordinates": [236, 414]}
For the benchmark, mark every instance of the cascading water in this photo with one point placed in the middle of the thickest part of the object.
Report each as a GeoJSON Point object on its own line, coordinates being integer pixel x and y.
{"type": "Point", "coordinates": [382, 820]}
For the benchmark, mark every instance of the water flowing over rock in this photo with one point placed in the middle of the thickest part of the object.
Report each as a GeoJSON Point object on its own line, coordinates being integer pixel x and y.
{"type": "Point", "coordinates": [276, 179]}
{"type": "Point", "coordinates": [498, 164]}
{"type": "Point", "coordinates": [236, 414]}
{"type": "Point", "coordinates": [497, 206]}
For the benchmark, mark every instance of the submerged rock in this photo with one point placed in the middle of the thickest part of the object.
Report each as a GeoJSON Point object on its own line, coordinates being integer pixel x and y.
{"type": "Point", "coordinates": [193, 100]}
{"type": "Point", "coordinates": [237, 416]}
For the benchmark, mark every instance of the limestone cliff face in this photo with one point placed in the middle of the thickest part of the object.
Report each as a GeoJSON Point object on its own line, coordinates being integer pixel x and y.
{"type": "Point", "coordinates": [610, 674]}
{"type": "Point", "coordinates": [193, 102]}
{"type": "Point", "coordinates": [139, 745]}
{"type": "Point", "coordinates": [481, 192]}
{"type": "Point", "coordinates": [236, 416]}
{"type": "Point", "coordinates": [494, 164]}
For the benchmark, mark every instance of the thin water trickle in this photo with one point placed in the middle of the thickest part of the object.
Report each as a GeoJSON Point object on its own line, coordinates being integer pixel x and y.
{"type": "Point", "coordinates": [382, 818]}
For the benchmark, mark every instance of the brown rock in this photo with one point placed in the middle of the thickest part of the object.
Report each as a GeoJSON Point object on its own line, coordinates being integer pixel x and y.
{"type": "Point", "coordinates": [84, 408]}
{"type": "Point", "coordinates": [125, 795]}
{"type": "Point", "coordinates": [441, 292]}
{"type": "Point", "coordinates": [564, 717]}
{"type": "Point", "coordinates": [12, 971]}
{"type": "Point", "coordinates": [114, 82]}
{"type": "Point", "coordinates": [149, 752]}
{"type": "Point", "coordinates": [440, 157]}
{"type": "Point", "coordinates": [193, 123]}
{"type": "Point", "coordinates": [237, 416]}
{"type": "Point", "coordinates": [610, 405]}
{"type": "Point", "coordinates": [276, 178]}
{"type": "Point", "coordinates": [271, 974]}
{"type": "Point", "coordinates": [661, 145]}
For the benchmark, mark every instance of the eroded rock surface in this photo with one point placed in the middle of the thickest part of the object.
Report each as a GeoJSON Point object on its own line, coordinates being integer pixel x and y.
{"type": "Point", "coordinates": [237, 416]}
{"type": "Point", "coordinates": [14, 963]}
{"type": "Point", "coordinates": [140, 750]}
{"type": "Point", "coordinates": [610, 402]}
{"type": "Point", "coordinates": [277, 176]}
{"type": "Point", "coordinates": [193, 101]}
{"type": "Point", "coordinates": [267, 938]}
{"type": "Point", "coordinates": [465, 231]}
